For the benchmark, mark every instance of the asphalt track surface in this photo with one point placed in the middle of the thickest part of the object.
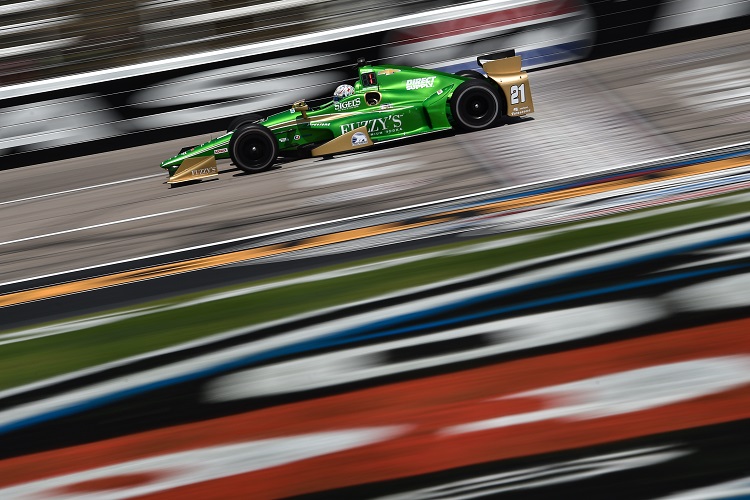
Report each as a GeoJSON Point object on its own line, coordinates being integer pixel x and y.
{"type": "Point", "coordinates": [590, 116]}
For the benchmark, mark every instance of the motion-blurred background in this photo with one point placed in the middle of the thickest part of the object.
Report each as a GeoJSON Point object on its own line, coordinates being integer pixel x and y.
{"type": "Point", "coordinates": [110, 74]}
{"type": "Point", "coordinates": [553, 307]}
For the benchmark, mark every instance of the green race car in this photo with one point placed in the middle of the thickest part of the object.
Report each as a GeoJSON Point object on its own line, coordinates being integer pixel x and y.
{"type": "Point", "coordinates": [385, 103]}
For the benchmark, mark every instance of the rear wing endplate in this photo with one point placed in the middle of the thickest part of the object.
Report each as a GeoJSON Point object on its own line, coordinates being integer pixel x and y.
{"type": "Point", "coordinates": [505, 69]}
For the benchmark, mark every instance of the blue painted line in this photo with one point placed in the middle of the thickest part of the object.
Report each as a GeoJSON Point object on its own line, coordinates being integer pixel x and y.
{"type": "Point", "coordinates": [544, 302]}
{"type": "Point", "coordinates": [365, 331]}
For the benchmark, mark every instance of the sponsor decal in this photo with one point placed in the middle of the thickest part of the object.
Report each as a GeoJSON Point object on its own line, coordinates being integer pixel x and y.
{"type": "Point", "coordinates": [359, 139]}
{"type": "Point", "coordinates": [320, 124]}
{"type": "Point", "coordinates": [203, 171]}
{"type": "Point", "coordinates": [377, 126]}
{"type": "Point", "coordinates": [351, 104]}
{"type": "Point", "coordinates": [386, 106]}
{"type": "Point", "coordinates": [297, 137]}
{"type": "Point", "coordinates": [283, 139]}
{"type": "Point", "coordinates": [220, 150]}
{"type": "Point", "coordinates": [420, 83]}
{"type": "Point", "coordinates": [388, 71]}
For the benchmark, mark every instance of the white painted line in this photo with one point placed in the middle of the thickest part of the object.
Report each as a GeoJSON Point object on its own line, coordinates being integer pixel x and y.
{"type": "Point", "coordinates": [108, 318]}
{"type": "Point", "coordinates": [56, 233]}
{"type": "Point", "coordinates": [38, 47]}
{"type": "Point", "coordinates": [290, 338]}
{"type": "Point", "coordinates": [530, 185]}
{"type": "Point", "coordinates": [80, 189]}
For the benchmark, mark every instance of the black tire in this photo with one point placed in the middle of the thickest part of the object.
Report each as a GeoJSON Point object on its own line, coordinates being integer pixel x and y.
{"type": "Point", "coordinates": [253, 148]}
{"type": "Point", "coordinates": [470, 73]}
{"type": "Point", "coordinates": [239, 121]}
{"type": "Point", "coordinates": [475, 105]}
{"type": "Point", "coordinates": [187, 148]}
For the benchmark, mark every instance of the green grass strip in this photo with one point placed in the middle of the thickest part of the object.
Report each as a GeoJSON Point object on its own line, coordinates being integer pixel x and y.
{"type": "Point", "coordinates": [169, 324]}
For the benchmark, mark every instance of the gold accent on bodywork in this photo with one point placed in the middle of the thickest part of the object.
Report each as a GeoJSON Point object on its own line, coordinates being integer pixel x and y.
{"type": "Point", "coordinates": [344, 143]}
{"type": "Point", "coordinates": [373, 98]}
{"type": "Point", "coordinates": [310, 119]}
{"type": "Point", "coordinates": [506, 66]}
{"type": "Point", "coordinates": [199, 167]}
{"type": "Point", "coordinates": [514, 83]}
{"type": "Point", "coordinates": [301, 107]}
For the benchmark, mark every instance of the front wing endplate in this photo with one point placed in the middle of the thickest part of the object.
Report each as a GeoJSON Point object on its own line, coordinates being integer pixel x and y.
{"type": "Point", "coordinates": [201, 167]}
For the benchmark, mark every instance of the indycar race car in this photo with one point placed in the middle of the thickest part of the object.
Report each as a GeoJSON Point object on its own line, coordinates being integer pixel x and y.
{"type": "Point", "coordinates": [385, 103]}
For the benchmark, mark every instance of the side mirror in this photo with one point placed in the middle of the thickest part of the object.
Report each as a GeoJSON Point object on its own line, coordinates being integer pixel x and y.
{"type": "Point", "coordinates": [301, 106]}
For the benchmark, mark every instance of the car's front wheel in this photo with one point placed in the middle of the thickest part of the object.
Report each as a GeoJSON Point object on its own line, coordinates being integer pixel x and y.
{"type": "Point", "coordinates": [475, 105]}
{"type": "Point", "coordinates": [253, 148]}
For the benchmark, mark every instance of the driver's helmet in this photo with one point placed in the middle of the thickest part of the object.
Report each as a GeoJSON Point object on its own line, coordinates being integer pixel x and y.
{"type": "Point", "coordinates": [342, 91]}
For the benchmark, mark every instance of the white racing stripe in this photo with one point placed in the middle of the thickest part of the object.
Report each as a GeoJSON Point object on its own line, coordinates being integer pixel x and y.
{"type": "Point", "coordinates": [163, 374]}
{"type": "Point", "coordinates": [84, 228]}
{"type": "Point", "coordinates": [543, 476]}
{"type": "Point", "coordinates": [81, 189]}
{"type": "Point", "coordinates": [454, 199]}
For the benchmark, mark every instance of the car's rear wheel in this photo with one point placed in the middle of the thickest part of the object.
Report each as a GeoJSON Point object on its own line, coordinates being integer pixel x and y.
{"type": "Point", "coordinates": [239, 121]}
{"type": "Point", "coordinates": [475, 105]}
{"type": "Point", "coordinates": [470, 73]}
{"type": "Point", "coordinates": [253, 148]}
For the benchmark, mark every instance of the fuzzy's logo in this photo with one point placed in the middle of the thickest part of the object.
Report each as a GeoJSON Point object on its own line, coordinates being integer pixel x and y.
{"type": "Point", "coordinates": [377, 126]}
{"type": "Point", "coordinates": [204, 171]}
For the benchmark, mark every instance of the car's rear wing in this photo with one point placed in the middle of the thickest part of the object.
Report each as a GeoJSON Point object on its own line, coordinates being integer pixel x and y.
{"type": "Point", "coordinates": [505, 69]}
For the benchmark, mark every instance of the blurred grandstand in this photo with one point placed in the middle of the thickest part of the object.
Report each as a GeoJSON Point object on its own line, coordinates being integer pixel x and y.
{"type": "Point", "coordinates": [108, 74]}
{"type": "Point", "coordinates": [48, 38]}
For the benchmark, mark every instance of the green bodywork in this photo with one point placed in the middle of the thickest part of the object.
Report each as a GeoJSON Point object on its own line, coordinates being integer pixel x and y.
{"type": "Point", "coordinates": [411, 101]}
